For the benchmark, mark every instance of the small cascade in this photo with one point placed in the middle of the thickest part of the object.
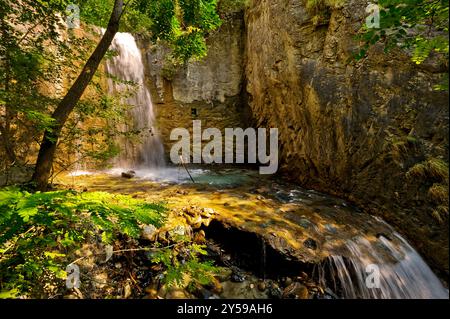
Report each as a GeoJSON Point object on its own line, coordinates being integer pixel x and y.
{"type": "Point", "coordinates": [403, 274]}
{"type": "Point", "coordinates": [128, 69]}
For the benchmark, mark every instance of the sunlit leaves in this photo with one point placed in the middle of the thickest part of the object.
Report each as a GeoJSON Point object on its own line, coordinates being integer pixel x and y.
{"type": "Point", "coordinates": [418, 26]}
{"type": "Point", "coordinates": [184, 25]}
{"type": "Point", "coordinates": [38, 231]}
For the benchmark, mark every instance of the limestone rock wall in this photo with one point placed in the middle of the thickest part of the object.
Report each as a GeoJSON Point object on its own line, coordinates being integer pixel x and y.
{"type": "Point", "coordinates": [209, 90]}
{"type": "Point", "coordinates": [353, 129]}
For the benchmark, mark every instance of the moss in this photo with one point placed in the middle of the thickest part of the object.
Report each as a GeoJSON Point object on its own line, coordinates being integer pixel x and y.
{"type": "Point", "coordinates": [319, 9]}
{"type": "Point", "coordinates": [440, 213]}
{"type": "Point", "coordinates": [438, 168]}
{"type": "Point", "coordinates": [418, 170]}
{"type": "Point", "coordinates": [318, 4]}
{"type": "Point", "coordinates": [439, 193]}
{"type": "Point", "coordinates": [433, 167]}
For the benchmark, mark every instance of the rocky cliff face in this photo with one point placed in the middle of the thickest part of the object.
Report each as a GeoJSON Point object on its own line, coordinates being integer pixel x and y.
{"type": "Point", "coordinates": [351, 128]}
{"type": "Point", "coordinates": [372, 131]}
{"type": "Point", "coordinates": [209, 90]}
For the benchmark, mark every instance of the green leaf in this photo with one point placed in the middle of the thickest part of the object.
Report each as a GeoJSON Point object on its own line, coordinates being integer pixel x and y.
{"type": "Point", "coordinates": [9, 294]}
{"type": "Point", "coordinates": [28, 212]}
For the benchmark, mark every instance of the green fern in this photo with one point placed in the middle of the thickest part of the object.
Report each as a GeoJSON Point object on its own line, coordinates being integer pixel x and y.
{"type": "Point", "coordinates": [35, 230]}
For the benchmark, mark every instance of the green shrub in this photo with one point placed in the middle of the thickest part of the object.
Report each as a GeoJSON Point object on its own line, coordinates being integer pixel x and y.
{"type": "Point", "coordinates": [39, 230]}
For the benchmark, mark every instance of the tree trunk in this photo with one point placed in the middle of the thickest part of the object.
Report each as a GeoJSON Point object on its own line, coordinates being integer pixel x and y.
{"type": "Point", "coordinates": [8, 145]}
{"type": "Point", "coordinates": [5, 130]}
{"type": "Point", "coordinates": [48, 146]}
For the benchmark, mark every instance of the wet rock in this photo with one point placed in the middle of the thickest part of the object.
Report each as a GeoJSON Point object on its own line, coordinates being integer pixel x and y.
{"type": "Point", "coordinates": [237, 277]}
{"type": "Point", "coordinates": [305, 223]}
{"type": "Point", "coordinates": [331, 228]}
{"type": "Point", "coordinates": [149, 232]}
{"type": "Point", "coordinates": [275, 292]}
{"type": "Point", "coordinates": [283, 197]}
{"type": "Point", "coordinates": [240, 290]}
{"type": "Point", "coordinates": [286, 281]}
{"type": "Point", "coordinates": [174, 293]}
{"type": "Point", "coordinates": [225, 274]}
{"type": "Point", "coordinates": [262, 286]}
{"type": "Point", "coordinates": [207, 212]}
{"type": "Point", "coordinates": [296, 291]}
{"type": "Point", "coordinates": [206, 221]}
{"type": "Point", "coordinates": [330, 293]}
{"type": "Point", "coordinates": [194, 221]}
{"type": "Point", "coordinates": [263, 190]}
{"type": "Point", "coordinates": [179, 230]}
{"type": "Point", "coordinates": [310, 243]}
{"type": "Point", "coordinates": [151, 290]}
{"type": "Point", "coordinates": [128, 174]}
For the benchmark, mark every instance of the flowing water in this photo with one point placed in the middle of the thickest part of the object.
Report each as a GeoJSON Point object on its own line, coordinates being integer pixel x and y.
{"type": "Point", "coordinates": [128, 79]}
{"type": "Point", "coordinates": [402, 272]}
{"type": "Point", "coordinates": [350, 248]}
{"type": "Point", "coordinates": [351, 244]}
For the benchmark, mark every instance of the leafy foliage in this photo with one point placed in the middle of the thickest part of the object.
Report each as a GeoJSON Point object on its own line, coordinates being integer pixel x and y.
{"type": "Point", "coordinates": [38, 231]}
{"type": "Point", "coordinates": [420, 26]}
{"type": "Point", "coordinates": [38, 56]}
{"type": "Point", "coordinates": [183, 24]}
{"type": "Point", "coordinates": [184, 267]}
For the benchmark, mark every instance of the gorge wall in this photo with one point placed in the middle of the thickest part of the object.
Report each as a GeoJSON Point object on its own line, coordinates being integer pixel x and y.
{"type": "Point", "coordinates": [209, 90]}
{"type": "Point", "coordinates": [373, 131]}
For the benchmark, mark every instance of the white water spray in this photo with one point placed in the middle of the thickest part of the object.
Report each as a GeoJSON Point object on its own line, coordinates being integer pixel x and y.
{"type": "Point", "coordinates": [125, 68]}
{"type": "Point", "coordinates": [403, 274]}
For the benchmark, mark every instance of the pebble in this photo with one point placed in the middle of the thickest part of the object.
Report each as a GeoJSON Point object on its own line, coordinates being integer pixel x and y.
{"type": "Point", "coordinates": [118, 265]}
{"type": "Point", "coordinates": [296, 291]}
{"type": "Point", "coordinates": [237, 277]}
{"type": "Point", "coordinates": [286, 281]}
{"type": "Point", "coordinates": [127, 291]}
{"type": "Point", "coordinates": [149, 232]}
{"type": "Point", "coordinates": [275, 292]}
{"type": "Point", "coordinates": [262, 286]}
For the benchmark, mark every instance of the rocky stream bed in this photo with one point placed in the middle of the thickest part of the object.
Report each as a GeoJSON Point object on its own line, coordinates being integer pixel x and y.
{"type": "Point", "coordinates": [273, 240]}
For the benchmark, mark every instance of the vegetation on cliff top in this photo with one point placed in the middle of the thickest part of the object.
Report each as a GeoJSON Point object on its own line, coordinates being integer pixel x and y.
{"type": "Point", "coordinates": [418, 26]}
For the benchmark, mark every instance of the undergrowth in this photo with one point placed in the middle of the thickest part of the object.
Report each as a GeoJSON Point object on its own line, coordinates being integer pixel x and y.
{"type": "Point", "coordinates": [39, 233]}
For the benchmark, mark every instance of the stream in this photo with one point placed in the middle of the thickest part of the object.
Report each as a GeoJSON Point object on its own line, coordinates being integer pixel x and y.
{"type": "Point", "coordinates": [276, 230]}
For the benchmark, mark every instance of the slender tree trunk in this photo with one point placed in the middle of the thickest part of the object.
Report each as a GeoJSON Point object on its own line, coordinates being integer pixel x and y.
{"type": "Point", "coordinates": [5, 130]}
{"type": "Point", "coordinates": [8, 145]}
{"type": "Point", "coordinates": [48, 146]}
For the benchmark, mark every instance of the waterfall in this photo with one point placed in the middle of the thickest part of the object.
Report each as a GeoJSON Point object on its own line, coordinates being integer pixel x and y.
{"type": "Point", "coordinates": [127, 77]}
{"type": "Point", "coordinates": [403, 272]}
